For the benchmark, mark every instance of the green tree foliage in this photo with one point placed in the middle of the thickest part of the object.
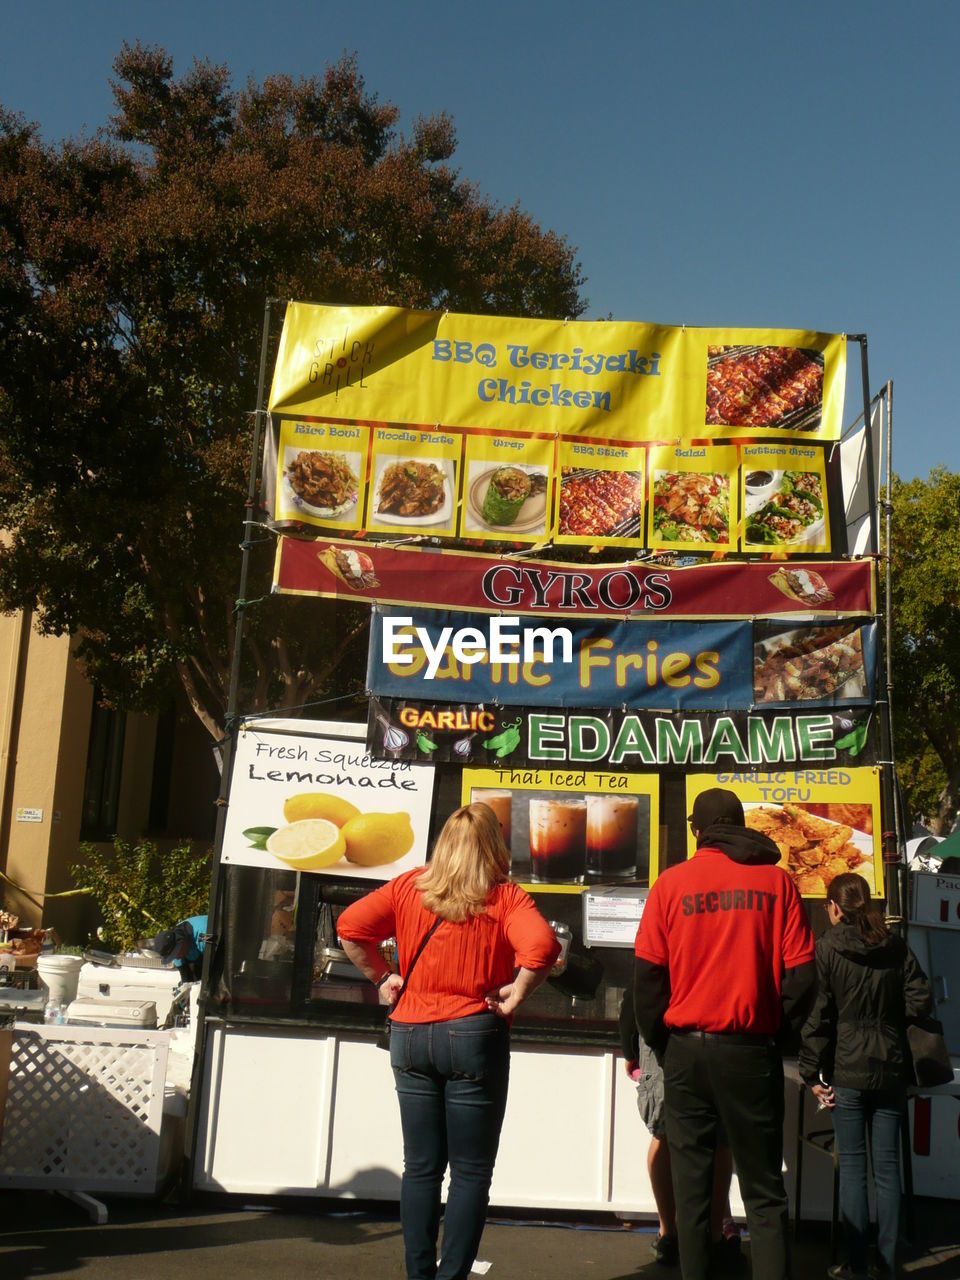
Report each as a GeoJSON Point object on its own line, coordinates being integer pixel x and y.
{"type": "Point", "coordinates": [139, 891]}
{"type": "Point", "coordinates": [925, 565]}
{"type": "Point", "coordinates": [134, 267]}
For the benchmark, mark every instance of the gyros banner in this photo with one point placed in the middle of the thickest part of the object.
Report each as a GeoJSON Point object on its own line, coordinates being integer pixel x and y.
{"type": "Point", "coordinates": [510, 738]}
{"type": "Point", "coordinates": [491, 584]}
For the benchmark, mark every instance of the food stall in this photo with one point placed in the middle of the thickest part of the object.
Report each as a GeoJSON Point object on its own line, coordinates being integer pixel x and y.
{"type": "Point", "coordinates": [606, 567]}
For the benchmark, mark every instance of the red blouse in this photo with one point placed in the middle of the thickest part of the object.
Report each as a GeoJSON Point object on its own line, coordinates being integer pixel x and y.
{"type": "Point", "coordinates": [462, 961]}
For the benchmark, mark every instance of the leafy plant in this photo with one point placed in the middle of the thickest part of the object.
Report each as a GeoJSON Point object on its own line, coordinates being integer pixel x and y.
{"type": "Point", "coordinates": [140, 890]}
{"type": "Point", "coordinates": [925, 572]}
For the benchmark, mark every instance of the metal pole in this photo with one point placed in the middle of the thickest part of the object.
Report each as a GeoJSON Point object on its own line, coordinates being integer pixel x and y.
{"type": "Point", "coordinates": [900, 824]}
{"type": "Point", "coordinates": [229, 746]}
{"type": "Point", "coordinates": [891, 853]}
{"type": "Point", "coordinates": [871, 461]}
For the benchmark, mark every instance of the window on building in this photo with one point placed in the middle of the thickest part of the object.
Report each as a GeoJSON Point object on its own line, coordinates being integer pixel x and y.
{"type": "Point", "coordinates": [162, 770]}
{"type": "Point", "coordinates": [101, 784]}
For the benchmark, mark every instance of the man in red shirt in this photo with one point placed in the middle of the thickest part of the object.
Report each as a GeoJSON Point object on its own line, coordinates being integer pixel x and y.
{"type": "Point", "coordinates": [724, 970]}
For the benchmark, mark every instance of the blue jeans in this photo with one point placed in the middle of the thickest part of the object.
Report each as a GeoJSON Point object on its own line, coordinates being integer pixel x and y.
{"type": "Point", "coordinates": [451, 1082]}
{"type": "Point", "coordinates": [857, 1113]}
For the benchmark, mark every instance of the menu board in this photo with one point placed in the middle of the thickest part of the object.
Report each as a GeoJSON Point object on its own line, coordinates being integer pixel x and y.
{"type": "Point", "coordinates": [464, 485]}
{"type": "Point", "coordinates": [481, 429]}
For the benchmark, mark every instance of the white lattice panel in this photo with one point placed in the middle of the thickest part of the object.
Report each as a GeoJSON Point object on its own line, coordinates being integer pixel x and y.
{"type": "Point", "coordinates": [84, 1109]}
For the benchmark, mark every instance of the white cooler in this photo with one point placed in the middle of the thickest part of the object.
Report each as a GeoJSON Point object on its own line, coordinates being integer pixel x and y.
{"type": "Point", "coordinates": [125, 982]}
{"type": "Point", "coordinates": [112, 1013]}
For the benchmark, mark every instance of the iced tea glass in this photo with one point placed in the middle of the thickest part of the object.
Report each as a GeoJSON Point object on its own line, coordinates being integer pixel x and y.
{"type": "Point", "coordinates": [558, 840]}
{"type": "Point", "coordinates": [501, 802]}
{"type": "Point", "coordinates": [611, 837]}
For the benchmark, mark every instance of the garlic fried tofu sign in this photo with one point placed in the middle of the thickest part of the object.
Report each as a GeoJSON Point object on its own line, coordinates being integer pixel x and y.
{"type": "Point", "coordinates": [322, 804]}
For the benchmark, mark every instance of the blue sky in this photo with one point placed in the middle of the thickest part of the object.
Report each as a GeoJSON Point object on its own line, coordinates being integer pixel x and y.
{"type": "Point", "coordinates": [740, 164]}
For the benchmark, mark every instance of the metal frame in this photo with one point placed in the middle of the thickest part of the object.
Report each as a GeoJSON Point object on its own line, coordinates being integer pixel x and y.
{"type": "Point", "coordinates": [215, 911]}
{"type": "Point", "coordinates": [892, 839]}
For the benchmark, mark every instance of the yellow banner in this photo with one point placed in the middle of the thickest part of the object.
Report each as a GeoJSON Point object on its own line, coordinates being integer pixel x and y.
{"type": "Point", "coordinates": [619, 381]}
{"type": "Point", "coordinates": [570, 827]}
{"type": "Point", "coordinates": [825, 821]}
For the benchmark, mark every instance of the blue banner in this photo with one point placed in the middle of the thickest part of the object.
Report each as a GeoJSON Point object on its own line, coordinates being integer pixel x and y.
{"type": "Point", "coordinates": [529, 661]}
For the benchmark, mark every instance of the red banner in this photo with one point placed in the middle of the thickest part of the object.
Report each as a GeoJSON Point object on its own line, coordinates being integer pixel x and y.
{"type": "Point", "coordinates": [379, 573]}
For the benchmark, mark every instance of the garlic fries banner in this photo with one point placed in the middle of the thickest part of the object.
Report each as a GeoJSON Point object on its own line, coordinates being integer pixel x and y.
{"type": "Point", "coordinates": [520, 660]}
{"type": "Point", "coordinates": [824, 821]}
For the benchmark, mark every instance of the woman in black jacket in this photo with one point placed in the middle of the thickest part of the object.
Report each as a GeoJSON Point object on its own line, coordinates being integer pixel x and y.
{"type": "Point", "coordinates": [870, 983]}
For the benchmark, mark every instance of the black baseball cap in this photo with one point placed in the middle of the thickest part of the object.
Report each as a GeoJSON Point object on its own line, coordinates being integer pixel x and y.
{"type": "Point", "coordinates": [716, 805]}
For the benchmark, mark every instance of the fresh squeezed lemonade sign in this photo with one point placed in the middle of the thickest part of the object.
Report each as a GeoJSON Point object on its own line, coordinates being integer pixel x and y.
{"type": "Point", "coordinates": [302, 802]}
{"type": "Point", "coordinates": [825, 821]}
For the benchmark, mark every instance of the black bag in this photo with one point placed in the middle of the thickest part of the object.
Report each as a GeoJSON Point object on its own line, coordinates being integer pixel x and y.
{"type": "Point", "coordinates": [928, 1049]}
{"type": "Point", "coordinates": [383, 1037]}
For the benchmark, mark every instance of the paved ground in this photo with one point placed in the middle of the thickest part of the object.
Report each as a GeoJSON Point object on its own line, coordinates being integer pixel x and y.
{"type": "Point", "coordinates": [44, 1235]}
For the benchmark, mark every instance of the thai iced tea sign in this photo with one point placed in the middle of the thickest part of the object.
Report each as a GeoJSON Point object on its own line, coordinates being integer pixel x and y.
{"type": "Point", "coordinates": [569, 827]}
{"type": "Point", "coordinates": [319, 803]}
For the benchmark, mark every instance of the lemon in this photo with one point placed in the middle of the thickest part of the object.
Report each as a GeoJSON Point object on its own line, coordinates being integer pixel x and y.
{"type": "Point", "coordinates": [308, 845]}
{"type": "Point", "coordinates": [374, 839]}
{"type": "Point", "coordinates": [319, 804]}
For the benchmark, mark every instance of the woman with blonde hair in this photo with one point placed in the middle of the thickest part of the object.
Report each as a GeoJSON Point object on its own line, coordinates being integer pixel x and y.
{"type": "Point", "coordinates": [473, 947]}
{"type": "Point", "coordinates": [854, 1057]}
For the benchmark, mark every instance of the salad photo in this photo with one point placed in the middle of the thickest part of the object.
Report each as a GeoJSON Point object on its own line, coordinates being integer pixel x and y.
{"type": "Point", "coordinates": [691, 506]}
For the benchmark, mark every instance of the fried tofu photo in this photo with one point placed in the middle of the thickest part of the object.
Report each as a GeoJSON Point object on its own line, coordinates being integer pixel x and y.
{"type": "Point", "coordinates": [813, 848]}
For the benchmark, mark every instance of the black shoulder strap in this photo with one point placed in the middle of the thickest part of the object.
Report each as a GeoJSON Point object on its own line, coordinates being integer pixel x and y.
{"type": "Point", "coordinates": [423, 942]}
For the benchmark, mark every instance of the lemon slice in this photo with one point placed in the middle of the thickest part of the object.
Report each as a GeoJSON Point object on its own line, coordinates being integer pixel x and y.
{"type": "Point", "coordinates": [308, 845]}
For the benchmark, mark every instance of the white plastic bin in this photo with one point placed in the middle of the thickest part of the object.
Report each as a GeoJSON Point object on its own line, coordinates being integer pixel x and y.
{"type": "Point", "coordinates": [61, 976]}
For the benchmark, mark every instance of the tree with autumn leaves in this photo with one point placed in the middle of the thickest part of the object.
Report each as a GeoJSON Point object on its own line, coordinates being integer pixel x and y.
{"type": "Point", "coordinates": [133, 275]}
{"type": "Point", "coordinates": [925, 597]}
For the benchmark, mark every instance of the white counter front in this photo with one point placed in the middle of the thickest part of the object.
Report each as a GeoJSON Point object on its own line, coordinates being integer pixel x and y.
{"type": "Point", "coordinates": [314, 1113]}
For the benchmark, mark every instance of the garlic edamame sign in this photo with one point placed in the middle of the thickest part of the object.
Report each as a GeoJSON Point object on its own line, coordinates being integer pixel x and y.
{"type": "Point", "coordinates": [302, 801]}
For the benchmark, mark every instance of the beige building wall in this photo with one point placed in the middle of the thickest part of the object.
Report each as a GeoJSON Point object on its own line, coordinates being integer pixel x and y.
{"type": "Point", "coordinates": [46, 706]}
